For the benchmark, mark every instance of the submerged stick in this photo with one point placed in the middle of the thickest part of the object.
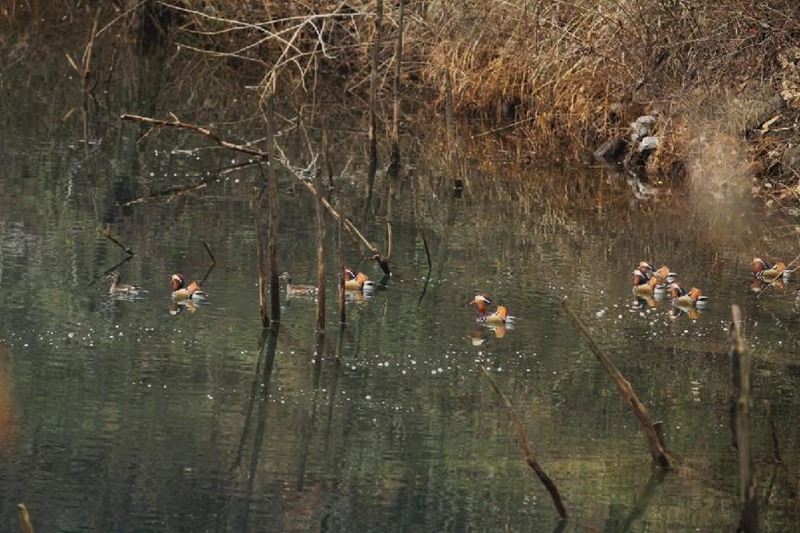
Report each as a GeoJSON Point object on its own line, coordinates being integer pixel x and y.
{"type": "Point", "coordinates": [113, 239]}
{"type": "Point", "coordinates": [25, 525]}
{"type": "Point", "coordinates": [740, 423]}
{"type": "Point", "coordinates": [654, 443]}
{"type": "Point", "coordinates": [530, 457]}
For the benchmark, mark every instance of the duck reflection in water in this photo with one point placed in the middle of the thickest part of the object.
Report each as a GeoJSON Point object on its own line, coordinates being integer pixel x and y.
{"type": "Point", "coordinates": [684, 302]}
{"type": "Point", "coordinates": [177, 307]}
{"type": "Point", "coordinates": [481, 334]}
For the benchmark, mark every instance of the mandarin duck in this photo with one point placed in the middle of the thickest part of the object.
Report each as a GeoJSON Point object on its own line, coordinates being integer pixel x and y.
{"type": "Point", "coordinates": [641, 274]}
{"type": "Point", "coordinates": [297, 290]}
{"type": "Point", "coordinates": [649, 288]}
{"type": "Point", "coordinates": [645, 271]}
{"type": "Point", "coordinates": [764, 271]}
{"type": "Point", "coordinates": [357, 282]}
{"type": "Point", "coordinates": [180, 291]}
{"type": "Point", "coordinates": [498, 316]}
{"type": "Point", "coordinates": [682, 298]}
{"type": "Point", "coordinates": [121, 288]}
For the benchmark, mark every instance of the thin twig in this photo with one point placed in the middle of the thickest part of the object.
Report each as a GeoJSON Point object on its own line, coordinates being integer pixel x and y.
{"type": "Point", "coordinates": [211, 255]}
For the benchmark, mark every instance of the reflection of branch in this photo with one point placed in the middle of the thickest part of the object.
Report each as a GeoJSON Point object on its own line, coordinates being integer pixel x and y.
{"type": "Point", "coordinates": [173, 191]}
{"type": "Point", "coordinates": [526, 448]}
{"type": "Point", "coordinates": [114, 240]}
{"type": "Point", "coordinates": [349, 227]}
{"type": "Point", "coordinates": [643, 499]}
{"type": "Point", "coordinates": [741, 421]}
{"type": "Point", "coordinates": [299, 174]}
{"type": "Point", "coordinates": [111, 269]}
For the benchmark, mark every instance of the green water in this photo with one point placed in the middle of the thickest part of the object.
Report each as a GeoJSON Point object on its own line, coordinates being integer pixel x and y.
{"type": "Point", "coordinates": [128, 415]}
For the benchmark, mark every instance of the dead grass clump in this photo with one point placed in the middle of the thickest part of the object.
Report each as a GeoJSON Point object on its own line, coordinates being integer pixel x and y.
{"type": "Point", "coordinates": [580, 72]}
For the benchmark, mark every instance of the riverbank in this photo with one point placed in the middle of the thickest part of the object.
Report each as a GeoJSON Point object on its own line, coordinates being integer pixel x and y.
{"type": "Point", "coordinates": [721, 80]}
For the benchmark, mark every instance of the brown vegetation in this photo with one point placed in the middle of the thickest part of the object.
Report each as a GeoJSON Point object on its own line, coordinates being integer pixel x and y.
{"type": "Point", "coordinates": [723, 78]}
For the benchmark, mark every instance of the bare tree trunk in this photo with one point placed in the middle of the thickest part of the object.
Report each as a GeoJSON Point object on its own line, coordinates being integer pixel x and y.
{"type": "Point", "coordinates": [740, 423]}
{"type": "Point", "coordinates": [341, 293]}
{"type": "Point", "coordinates": [452, 139]}
{"type": "Point", "coordinates": [272, 189]}
{"type": "Point", "coordinates": [320, 326]}
{"type": "Point", "coordinates": [262, 262]}
{"type": "Point", "coordinates": [394, 156]}
{"type": "Point", "coordinates": [373, 104]}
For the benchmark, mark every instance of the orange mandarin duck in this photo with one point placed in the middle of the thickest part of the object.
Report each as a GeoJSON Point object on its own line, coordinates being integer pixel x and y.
{"type": "Point", "coordinates": [297, 290]}
{"type": "Point", "coordinates": [498, 316]}
{"type": "Point", "coordinates": [118, 288]}
{"type": "Point", "coordinates": [645, 271]}
{"type": "Point", "coordinates": [357, 282]}
{"type": "Point", "coordinates": [766, 272]}
{"type": "Point", "coordinates": [181, 291]}
{"type": "Point", "coordinates": [642, 274]}
{"type": "Point", "coordinates": [681, 298]}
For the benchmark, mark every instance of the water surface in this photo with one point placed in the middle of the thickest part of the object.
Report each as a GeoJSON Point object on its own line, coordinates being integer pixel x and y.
{"type": "Point", "coordinates": [128, 414]}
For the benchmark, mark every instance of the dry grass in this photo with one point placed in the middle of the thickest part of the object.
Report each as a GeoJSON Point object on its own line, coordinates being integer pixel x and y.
{"type": "Point", "coordinates": [567, 74]}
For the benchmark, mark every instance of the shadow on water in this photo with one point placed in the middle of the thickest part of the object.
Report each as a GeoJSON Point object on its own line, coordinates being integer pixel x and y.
{"type": "Point", "coordinates": [260, 396]}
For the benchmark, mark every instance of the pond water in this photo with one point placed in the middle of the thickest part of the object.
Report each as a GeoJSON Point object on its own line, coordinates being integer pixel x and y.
{"type": "Point", "coordinates": [129, 414]}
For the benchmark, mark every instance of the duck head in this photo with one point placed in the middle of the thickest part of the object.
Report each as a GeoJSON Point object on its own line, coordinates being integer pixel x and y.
{"type": "Point", "coordinates": [177, 282]}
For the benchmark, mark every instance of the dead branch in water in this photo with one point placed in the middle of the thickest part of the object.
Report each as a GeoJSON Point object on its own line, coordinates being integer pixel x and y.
{"type": "Point", "coordinates": [530, 457]}
{"type": "Point", "coordinates": [213, 260]}
{"type": "Point", "coordinates": [654, 442]}
{"type": "Point", "coordinates": [740, 422]}
{"type": "Point", "coordinates": [175, 123]}
{"type": "Point", "coordinates": [113, 239]}
{"type": "Point", "coordinates": [349, 227]}
{"type": "Point", "coordinates": [169, 191]}
{"type": "Point", "coordinates": [299, 175]}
